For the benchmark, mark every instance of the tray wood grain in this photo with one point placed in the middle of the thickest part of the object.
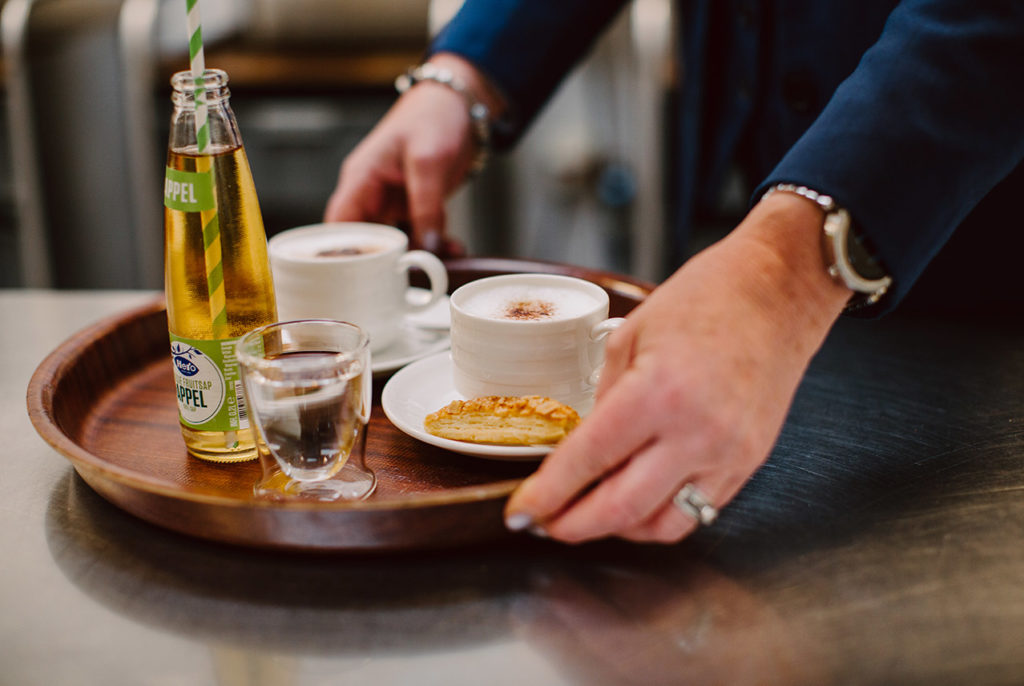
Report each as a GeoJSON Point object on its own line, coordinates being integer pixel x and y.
{"type": "Point", "coordinates": [105, 400]}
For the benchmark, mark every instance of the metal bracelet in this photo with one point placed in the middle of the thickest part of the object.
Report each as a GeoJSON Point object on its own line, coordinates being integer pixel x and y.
{"type": "Point", "coordinates": [836, 247]}
{"type": "Point", "coordinates": [479, 113]}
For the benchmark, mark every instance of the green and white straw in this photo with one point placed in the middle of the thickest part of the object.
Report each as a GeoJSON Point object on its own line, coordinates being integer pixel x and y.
{"type": "Point", "coordinates": [208, 218]}
{"type": "Point", "coordinates": [197, 61]}
{"type": "Point", "coordinates": [211, 226]}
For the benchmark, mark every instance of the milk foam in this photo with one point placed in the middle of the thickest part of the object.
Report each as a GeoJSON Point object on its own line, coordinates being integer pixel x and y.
{"type": "Point", "coordinates": [332, 246]}
{"type": "Point", "coordinates": [524, 302]}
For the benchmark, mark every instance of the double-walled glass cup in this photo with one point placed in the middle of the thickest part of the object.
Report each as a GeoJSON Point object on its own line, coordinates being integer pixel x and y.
{"type": "Point", "coordinates": [308, 387]}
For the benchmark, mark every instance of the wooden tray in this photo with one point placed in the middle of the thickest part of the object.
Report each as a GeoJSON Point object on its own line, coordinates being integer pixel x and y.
{"type": "Point", "coordinates": [105, 400]}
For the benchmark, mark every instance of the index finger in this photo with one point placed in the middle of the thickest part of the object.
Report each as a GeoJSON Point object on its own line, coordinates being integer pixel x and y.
{"type": "Point", "coordinates": [366, 183]}
{"type": "Point", "coordinates": [602, 442]}
{"type": "Point", "coordinates": [425, 188]}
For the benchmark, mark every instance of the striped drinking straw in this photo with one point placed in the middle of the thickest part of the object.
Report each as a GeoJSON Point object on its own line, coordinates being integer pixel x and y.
{"type": "Point", "coordinates": [211, 226]}
{"type": "Point", "coordinates": [208, 218]}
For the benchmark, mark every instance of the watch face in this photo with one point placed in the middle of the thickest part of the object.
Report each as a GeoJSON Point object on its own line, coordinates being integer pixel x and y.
{"type": "Point", "coordinates": [860, 256]}
{"type": "Point", "coordinates": [849, 260]}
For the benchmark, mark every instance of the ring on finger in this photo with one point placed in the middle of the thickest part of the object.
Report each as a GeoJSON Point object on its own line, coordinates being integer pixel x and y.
{"type": "Point", "coordinates": [692, 502]}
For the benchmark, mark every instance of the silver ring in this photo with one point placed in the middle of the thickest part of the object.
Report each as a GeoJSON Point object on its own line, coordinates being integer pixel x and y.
{"type": "Point", "coordinates": [691, 501]}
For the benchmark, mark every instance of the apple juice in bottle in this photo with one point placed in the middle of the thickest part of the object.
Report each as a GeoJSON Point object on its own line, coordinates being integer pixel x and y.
{"type": "Point", "coordinates": [217, 275]}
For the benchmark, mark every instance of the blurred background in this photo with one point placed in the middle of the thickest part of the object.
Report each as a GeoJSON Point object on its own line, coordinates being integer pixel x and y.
{"type": "Point", "coordinates": [87, 103]}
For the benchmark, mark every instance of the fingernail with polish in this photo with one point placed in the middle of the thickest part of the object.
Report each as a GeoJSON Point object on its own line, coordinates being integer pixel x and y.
{"type": "Point", "coordinates": [539, 531]}
{"type": "Point", "coordinates": [518, 521]}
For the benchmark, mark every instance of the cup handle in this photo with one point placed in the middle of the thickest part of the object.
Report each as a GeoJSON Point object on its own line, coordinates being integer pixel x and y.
{"type": "Point", "coordinates": [599, 333]}
{"type": "Point", "coordinates": [603, 328]}
{"type": "Point", "coordinates": [436, 273]}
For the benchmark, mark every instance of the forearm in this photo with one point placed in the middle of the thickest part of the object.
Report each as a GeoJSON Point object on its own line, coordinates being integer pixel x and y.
{"type": "Point", "coordinates": [777, 257]}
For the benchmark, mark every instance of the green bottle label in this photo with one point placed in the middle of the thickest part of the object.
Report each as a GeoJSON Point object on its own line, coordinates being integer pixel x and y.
{"type": "Point", "coordinates": [188, 191]}
{"type": "Point", "coordinates": [209, 385]}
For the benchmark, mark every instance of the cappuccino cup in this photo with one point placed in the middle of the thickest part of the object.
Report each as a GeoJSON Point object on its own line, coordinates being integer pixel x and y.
{"type": "Point", "coordinates": [355, 272]}
{"type": "Point", "coordinates": [530, 334]}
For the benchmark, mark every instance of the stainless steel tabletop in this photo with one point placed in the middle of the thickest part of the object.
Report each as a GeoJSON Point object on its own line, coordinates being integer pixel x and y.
{"type": "Point", "coordinates": [883, 543]}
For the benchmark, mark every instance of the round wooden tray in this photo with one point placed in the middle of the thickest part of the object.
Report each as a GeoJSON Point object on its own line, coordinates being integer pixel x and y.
{"type": "Point", "coordinates": [105, 400]}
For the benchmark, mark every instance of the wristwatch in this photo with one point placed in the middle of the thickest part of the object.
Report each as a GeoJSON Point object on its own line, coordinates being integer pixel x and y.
{"type": "Point", "coordinates": [847, 259]}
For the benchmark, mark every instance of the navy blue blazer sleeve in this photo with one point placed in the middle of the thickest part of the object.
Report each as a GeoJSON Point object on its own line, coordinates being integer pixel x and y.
{"type": "Point", "coordinates": [525, 47]}
{"type": "Point", "coordinates": [931, 119]}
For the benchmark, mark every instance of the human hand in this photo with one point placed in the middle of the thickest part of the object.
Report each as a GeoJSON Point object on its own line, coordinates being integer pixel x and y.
{"type": "Point", "coordinates": [695, 387]}
{"type": "Point", "coordinates": [413, 159]}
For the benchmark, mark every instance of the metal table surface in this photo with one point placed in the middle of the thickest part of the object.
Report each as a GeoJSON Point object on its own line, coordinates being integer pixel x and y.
{"type": "Point", "coordinates": [883, 543]}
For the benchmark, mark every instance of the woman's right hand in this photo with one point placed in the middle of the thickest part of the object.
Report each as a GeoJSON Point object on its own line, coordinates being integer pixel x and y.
{"type": "Point", "coordinates": [415, 157]}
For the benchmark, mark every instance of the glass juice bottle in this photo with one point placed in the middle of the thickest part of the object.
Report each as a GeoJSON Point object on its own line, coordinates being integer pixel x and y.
{"type": "Point", "coordinates": [217, 275]}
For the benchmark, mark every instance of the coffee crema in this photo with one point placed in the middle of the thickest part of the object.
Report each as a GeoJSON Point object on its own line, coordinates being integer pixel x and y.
{"type": "Point", "coordinates": [529, 303]}
{"type": "Point", "coordinates": [300, 244]}
{"type": "Point", "coordinates": [348, 251]}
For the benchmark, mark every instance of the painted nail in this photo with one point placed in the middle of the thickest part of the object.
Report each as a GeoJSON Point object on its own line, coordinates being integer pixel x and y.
{"type": "Point", "coordinates": [518, 521]}
{"type": "Point", "coordinates": [539, 531]}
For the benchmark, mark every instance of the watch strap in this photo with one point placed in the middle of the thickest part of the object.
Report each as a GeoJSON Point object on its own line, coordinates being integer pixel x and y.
{"type": "Point", "coordinates": [847, 259]}
{"type": "Point", "coordinates": [479, 113]}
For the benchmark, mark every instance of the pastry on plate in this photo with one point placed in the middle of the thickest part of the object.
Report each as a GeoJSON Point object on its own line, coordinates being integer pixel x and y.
{"type": "Point", "coordinates": [501, 420]}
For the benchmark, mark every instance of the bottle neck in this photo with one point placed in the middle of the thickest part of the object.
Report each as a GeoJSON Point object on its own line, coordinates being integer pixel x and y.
{"type": "Point", "coordinates": [189, 97]}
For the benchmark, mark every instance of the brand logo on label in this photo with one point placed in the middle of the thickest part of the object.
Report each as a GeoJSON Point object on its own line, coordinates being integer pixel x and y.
{"type": "Point", "coordinates": [200, 384]}
{"type": "Point", "coordinates": [185, 366]}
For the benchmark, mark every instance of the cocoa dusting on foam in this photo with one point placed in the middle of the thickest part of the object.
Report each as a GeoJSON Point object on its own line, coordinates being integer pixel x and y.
{"type": "Point", "coordinates": [529, 309]}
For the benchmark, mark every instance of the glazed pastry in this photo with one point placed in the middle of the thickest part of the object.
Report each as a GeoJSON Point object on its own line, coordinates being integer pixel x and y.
{"type": "Point", "coordinates": [526, 420]}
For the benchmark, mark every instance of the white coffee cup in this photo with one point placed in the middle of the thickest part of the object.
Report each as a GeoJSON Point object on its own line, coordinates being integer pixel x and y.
{"type": "Point", "coordinates": [530, 334]}
{"type": "Point", "coordinates": [355, 272]}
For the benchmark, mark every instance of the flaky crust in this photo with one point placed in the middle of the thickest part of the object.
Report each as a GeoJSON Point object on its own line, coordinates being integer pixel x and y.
{"type": "Point", "coordinates": [501, 420]}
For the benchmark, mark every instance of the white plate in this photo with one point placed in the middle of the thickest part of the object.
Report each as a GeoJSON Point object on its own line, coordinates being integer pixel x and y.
{"type": "Point", "coordinates": [413, 343]}
{"type": "Point", "coordinates": [426, 386]}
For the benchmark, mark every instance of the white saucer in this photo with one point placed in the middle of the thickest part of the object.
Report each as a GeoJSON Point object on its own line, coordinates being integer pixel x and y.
{"type": "Point", "coordinates": [437, 316]}
{"type": "Point", "coordinates": [413, 343]}
{"type": "Point", "coordinates": [425, 386]}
